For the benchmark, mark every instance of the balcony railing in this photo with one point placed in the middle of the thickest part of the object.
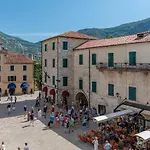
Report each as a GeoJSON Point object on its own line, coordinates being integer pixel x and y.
{"type": "Point", "coordinates": [124, 66]}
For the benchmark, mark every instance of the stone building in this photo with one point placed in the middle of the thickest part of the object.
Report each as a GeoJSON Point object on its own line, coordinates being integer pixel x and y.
{"type": "Point", "coordinates": [16, 73]}
{"type": "Point", "coordinates": [58, 65]}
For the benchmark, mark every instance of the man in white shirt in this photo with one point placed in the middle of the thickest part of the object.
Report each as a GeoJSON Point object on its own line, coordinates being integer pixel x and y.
{"type": "Point", "coordinates": [107, 146]}
{"type": "Point", "coordinates": [26, 146]}
{"type": "Point", "coordinates": [3, 146]}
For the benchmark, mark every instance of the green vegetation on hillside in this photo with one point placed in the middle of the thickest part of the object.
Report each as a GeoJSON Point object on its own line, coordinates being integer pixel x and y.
{"type": "Point", "coordinates": [124, 29]}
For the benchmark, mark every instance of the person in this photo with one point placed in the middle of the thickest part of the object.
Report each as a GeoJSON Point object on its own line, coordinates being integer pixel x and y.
{"type": "Point", "coordinates": [107, 146]}
{"type": "Point", "coordinates": [95, 142]}
{"type": "Point", "coordinates": [9, 109]}
{"type": "Point", "coordinates": [51, 121]}
{"type": "Point", "coordinates": [39, 113]}
{"type": "Point", "coordinates": [26, 146]}
{"type": "Point", "coordinates": [3, 146]}
{"type": "Point", "coordinates": [25, 110]}
{"type": "Point", "coordinates": [13, 107]}
{"type": "Point", "coordinates": [8, 98]}
{"type": "Point", "coordinates": [15, 99]}
{"type": "Point", "coordinates": [11, 99]}
{"type": "Point", "coordinates": [53, 110]}
{"type": "Point", "coordinates": [45, 110]}
{"type": "Point", "coordinates": [32, 119]}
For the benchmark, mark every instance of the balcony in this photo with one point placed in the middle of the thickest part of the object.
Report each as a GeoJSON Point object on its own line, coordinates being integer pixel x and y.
{"type": "Point", "coordinates": [144, 67]}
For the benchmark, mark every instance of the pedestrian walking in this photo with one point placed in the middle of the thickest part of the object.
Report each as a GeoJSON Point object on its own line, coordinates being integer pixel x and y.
{"type": "Point", "coordinates": [95, 142]}
{"type": "Point", "coordinates": [51, 121]}
{"type": "Point", "coordinates": [45, 110]}
{"type": "Point", "coordinates": [26, 147]}
{"type": "Point", "coordinates": [9, 109]}
{"type": "Point", "coordinates": [32, 119]}
{"type": "Point", "coordinates": [13, 107]}
{"type": "Point", "coordinates": [15, 99]}
{"type": "Point", "coordinates": [8, 98]}
{"type": "Point", "coordinates": [107, 145]}
{"type": "Point", "coordinates": [2, 146]}
{"type": "Point", "coordinates": [25, 110]}
{"type": "Point", "coordinates": [39, 113]}
{"type": "Point", "coordinates": [53, 110]}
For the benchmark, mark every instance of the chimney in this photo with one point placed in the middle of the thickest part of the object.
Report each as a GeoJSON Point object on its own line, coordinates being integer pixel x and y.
{"type": "Point", "coordinates": [143, 34]}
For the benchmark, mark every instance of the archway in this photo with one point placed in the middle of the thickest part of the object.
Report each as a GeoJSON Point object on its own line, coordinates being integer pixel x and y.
{"type": "Point", "coordinates": [81, 100]}
{"type": "Point", "coordinates": [101, 109]}
{"type": "Point", "coordinates": [11, 88]}
{"type": "Point", "coordinates": [24, 87]}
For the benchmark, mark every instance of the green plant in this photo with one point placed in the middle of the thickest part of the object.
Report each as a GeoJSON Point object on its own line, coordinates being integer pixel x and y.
{"type": "Point", "coordinates": [6, 93]}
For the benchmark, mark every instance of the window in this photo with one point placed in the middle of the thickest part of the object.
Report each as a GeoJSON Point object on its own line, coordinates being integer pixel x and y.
{"type": "Point", "coordinates": [45, 47]}
{"type": "Point", "coordinates": [45, 78]}
{"type": "Point", "coordinates": [53, 63]}
{"type": "Point", "coordinates": [11, 78]}
{"type": "Point", "coordinates": [110, 59]}
{"type": "Point", "coordinates": [45, 63]}
{"type": "Point", "coordinates": [0, 68]}
{"type": "Point", "coordinates": [0, 57]}
{"type": "Point", "coordinates": [65, 63]}
{"type": "Point", "coordinates": [53, 80]}
{"type": "Point", "coordinates": [65, 81]}
{"type": "Point", "coordinates": [110, 89]}
{"type": "Point", "coordinates": [24, 78]}
{"type": "Point", "coordinates": [81, 59]}
{"type": "Point", "coordinates": [93, 86]}
{"type": "Point", "coordinates": [24, 67]}
{"type": "Point", "coordinates": [132, 93]}
{"type": "Point", "coordinates": [132, 58]}
{"type": "Point", "coordinates": [53, 46]}
{"type": "Point", "coordinates": [12, 68]}
{"type": "Point", "coordinates": [80, 84]}
{"type": "Point", "coordinates": [65, 45]}
{"type": "Point", "coordinates": [93, 59]}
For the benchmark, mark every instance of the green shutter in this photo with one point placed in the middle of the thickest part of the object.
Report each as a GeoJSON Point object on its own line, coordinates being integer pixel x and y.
{"type": "Point", "coordinates": [93, 86]}
{"type": "Point", "coordinates": [93, 59]}
{"type": "Point", "coordinates": [53, 78]}
{"type": "Point", "coordinates": [53, 46]}
{"type": "Point", "coordinates": [65, 63]}
{"type": "Point", "coordinates": [110, 89]}
{"type": "Point", "coordinates": [9, 78]}
{"type": "Point", "coordinates": [132, 58]}
{"type": "Point", "coordinates": [80, 59]}
{"type": "Point", "coordinates": [110, 59]}
{"type": "Point", "coordinates": [132, 93]}
{"type": "Point", "coordinates": [53, 63]}
{"type": "Point", "coordinates": [65, 45]}
{"type": "Point", "coordinates": [80, 84]}
{"type": "Point", "coordinates": [65, 81]}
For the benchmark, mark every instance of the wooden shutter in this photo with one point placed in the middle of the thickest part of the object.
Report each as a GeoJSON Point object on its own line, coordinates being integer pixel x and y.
{"type": "Point", "coordinates": [80, 84]}
{"type": "Point", "coordinates": [93, 59]}
{"type": "Point", "coordinates": [80, 59]}
{"type": "Point", "coordinates": [132, 93]}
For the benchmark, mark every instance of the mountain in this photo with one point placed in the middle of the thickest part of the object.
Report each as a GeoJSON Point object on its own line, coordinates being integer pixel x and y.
{"type": "Point", "coordinates": [124, 29]}
{"type": "Point", "coordinates": [16, 44]}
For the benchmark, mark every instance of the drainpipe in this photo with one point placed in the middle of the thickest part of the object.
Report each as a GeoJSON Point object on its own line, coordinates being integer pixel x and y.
{"type": "Point", "coordinates": [89, 78]}
{"type": "Point", "coordinates": [57, 70]}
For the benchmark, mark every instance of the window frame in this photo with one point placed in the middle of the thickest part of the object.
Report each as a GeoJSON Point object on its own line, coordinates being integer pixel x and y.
{"type": "Point", "coordinates": [111, 90]}
{"type": "Point", "coordinates": [53, 80]}
{"type": "Point", "coordinates": [25, 67]}
{"type": "Point", "coordinates": [45, 47]}
{"type": "Point", "coordinates": [53, 63]}
{"type": "Point", "coordinates": [81, 84]}
{"type": "Point", "coordinates": [25, 77]}
{"type": "Point", "coordinates": [65, 81]}
{"type": "Point", "coordinates": [11, 67]}
{"type": "Point", "coordinates": [94, 90]}
{"type": "Point", "coordinates": [65, 63]}
{"type": "Point", "coordinates": [130, 90]}
{"type": "Point", "coordinates": [94, 61]}
{"type": "Point", "coordinates": [65, 45]}
{"type": "Point", "coordinates": [80, 59]}
{"type": "Point", "coordinates": [53, 45]}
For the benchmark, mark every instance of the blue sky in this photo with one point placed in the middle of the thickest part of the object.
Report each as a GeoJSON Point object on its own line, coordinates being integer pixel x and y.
{"type": "Point", "coordinates": [35, 20]}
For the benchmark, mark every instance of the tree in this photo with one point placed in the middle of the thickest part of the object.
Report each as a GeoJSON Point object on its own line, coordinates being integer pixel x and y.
{"type": "Point", "coordinates": [38, 74]}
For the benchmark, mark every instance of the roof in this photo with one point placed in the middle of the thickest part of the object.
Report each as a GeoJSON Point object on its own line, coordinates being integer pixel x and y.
{"type": "Point", "coordinates": [145, 135]}
{"type": "Point", "coordinates": [72, 34]}
{"type": "Point", "coordinates": [107, 117]}
{"type": "Point", "coordinates": [130, 39]}
{"type": "Point", "coordinates": [14, 58]}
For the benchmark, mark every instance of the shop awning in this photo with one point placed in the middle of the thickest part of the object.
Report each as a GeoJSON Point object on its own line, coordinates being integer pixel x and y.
{"type": "Point", "coordinates": [45, 89]}
{"type": "Point", "coordinates": [107, 117]}
{"type": "Point", "coordinates": [24, 85]}
{"type": "Point", "coordinates": [145, 135]}
{"type": "Point", "coordinates": [65, 94]}
{"type": "Point", "coordinates": [11, 86]}
{"type": "Point", "coordinates": [52, 92]}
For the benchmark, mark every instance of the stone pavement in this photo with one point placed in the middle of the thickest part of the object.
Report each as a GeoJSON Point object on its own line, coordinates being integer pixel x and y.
{"type": "Point", "coordinates": [14, 131]}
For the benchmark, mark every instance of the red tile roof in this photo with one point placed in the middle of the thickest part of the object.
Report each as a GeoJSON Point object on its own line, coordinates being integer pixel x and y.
{"type": "Point", "coordinates": [131, 39]}
{"type": "Point", "coordinates": [14, 58]}
{"type": "Point", "coordinates": [72, 34]}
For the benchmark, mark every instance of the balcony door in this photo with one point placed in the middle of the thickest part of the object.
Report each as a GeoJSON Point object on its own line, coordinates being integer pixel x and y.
{"type": "Point", "coordinates": [110, 59]}
{"type": "Point", "coordinates": [132, 58]}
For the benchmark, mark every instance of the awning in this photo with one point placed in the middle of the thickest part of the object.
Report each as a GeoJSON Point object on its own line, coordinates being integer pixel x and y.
{"type": "Point", "coordinates": [107, 117]}
{"type": "Point", "coordinates": [65, 94]}
{"type": "Point", "coordinates": [145, 135]}
{"type": "Point", "coordinates": [52, 92]}
{"type": "Point", "coordinates": [45, 89]}
{"type": "Point", "coordinates": [11, 86]}
{"type": "Point", "coordinates": [24, 85]}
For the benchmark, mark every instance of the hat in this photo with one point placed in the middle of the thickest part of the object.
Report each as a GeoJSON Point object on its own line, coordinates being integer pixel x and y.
{"type": "Point", "coordinates": [106, 141]}
{"type": "Point", "coordinates": [95, 138]}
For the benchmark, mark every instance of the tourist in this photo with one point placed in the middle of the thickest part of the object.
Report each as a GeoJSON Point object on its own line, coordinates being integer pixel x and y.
{"type": "Point", "coordinates": [107, 146]}
{"type": "Point", "coordinates": [9, 109]}
{"type": "Point", "coordinates": [8, 98]}
{"type": "Point", "coordinates": [84, 121]}
{"type": "Point", "coordinates": [25, 110]}
{"type": "Point", "coordinates": [26, 146]}
{"type": "Point", "coordinates": [45, 110]}
{"type": "Point", "coordinates": [13, 107]}
{"type": "Point", "coordinates": [2, 146]}
{"type": "Point", "coordinates": [32, 119]}
{"type": "Point", "coordinates": [95, 142]}
{"type": "Point", "coordinates": [53, 110]}
{"type": "Point", "coordinates": [39, 113]}
{"type": "Point", "coordinates": [51, 121]}
{"type": "Point", "coordinates": [15, 99]}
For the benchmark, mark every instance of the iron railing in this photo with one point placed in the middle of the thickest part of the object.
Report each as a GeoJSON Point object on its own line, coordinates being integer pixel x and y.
{"type": "Point", "coordinates": [124, 66]}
